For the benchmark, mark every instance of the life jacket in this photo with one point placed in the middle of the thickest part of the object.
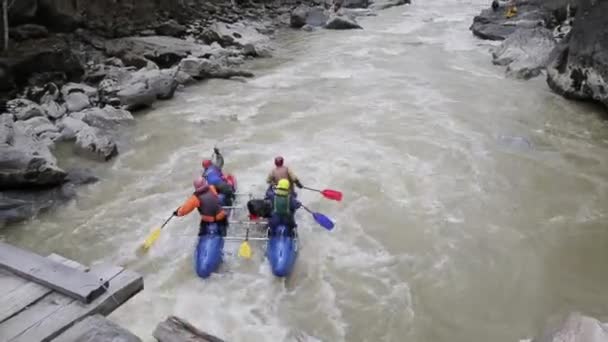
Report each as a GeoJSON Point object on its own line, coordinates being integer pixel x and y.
{"type": "Point", "coordinates": [281, 205]}
{"type": "Point", "coordinates": [210, 207]}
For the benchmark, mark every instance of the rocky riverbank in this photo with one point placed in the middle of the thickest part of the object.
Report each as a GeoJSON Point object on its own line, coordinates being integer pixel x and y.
{"type": "Point", "coordinates": [566, 39]}
{"type": "Point", "coordinates": [76, 72]}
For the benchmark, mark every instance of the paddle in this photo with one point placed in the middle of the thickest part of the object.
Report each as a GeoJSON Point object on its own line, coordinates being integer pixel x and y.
{"type": "Point", "coordinates": [245, 249]}
{"type": "Point", "coordinates": [328, 193]}
{"type": "Point", "coordinates": [149, 241]}
{"type": "Point", "coordinates": [321, 219]}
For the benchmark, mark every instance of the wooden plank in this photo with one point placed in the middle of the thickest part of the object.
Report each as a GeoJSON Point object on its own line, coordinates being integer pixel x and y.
{"type": "Point", "coordinates": [61, 278]}
{"type": "Point", "coordinates": [96, 328]}
{"type": "Point", "coordinates": [52, 315]}
{"type": "Point", "coordinates": [17, 299]}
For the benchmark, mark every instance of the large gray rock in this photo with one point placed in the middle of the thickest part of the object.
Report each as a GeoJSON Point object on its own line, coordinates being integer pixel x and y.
{"type": "Point", "coordinates": [105, 118]}
{"type": "Point", "coordinates": [200, 68]}
{"type": "Point", "coordinates": [379, 5]}
{"type": "Point", "coordinates": [526, 52]}
{"type": "Point", "coordinates": [493, 25]}
{"type": "Point", "coordinates": [69, 127]}
{"type": "Point", "coordinates": [93, 142]}
{"type": "Point", "coordinates": [342, 23]}
{"type": "Point", "coordinates": [25, 161]}
{"type": "Point", "coordinates": [71, 87]}
{"type": "Point", "coordinates": [76, 101]}
{"type": "Point", "coordinates": [96, 329]}
{"type": "Point", "coordinates": [171, 28]}
{"type": "Point", "coordinates": [304, 15]}
{"type": "Point", "coordinates": [580, 67]}
{"type": "Point", "coordinates": [576, 328]}
{"type": "Point", "coordinates": [38, 126]}
{"type": "Point", "coordinates": [164, 51]}
{"type": "Point", "coordinates": [136, 96]}
{"type": "Point", "coordinates": [53, 109]}
{"type": "Point", "coordinates": [24, 109]}
{"type": "Point", "coordinates": [298, 16]}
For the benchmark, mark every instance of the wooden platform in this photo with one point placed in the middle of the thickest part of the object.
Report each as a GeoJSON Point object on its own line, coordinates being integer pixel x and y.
{"type": "Point", "coordinates": [34, 307]}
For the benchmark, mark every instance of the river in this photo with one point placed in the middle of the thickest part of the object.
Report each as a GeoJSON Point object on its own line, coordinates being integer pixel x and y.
{"type": "Point", "coordinates": [475, 209]}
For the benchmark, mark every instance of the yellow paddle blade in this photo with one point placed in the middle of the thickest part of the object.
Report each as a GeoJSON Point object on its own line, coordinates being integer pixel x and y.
{"type": "Point", "coordinates": [151, 238]}
{"type": "Point", "coordinates": [245, 250]}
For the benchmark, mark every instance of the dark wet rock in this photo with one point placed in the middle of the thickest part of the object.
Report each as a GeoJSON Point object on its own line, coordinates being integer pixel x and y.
{"type": "Point", "coordinates": [298, 16]}
{"type": "Point", "coordinates": [28, 31]}
{"type": "Point", "coordinates": [526, 52]}
{"type": "Point", "coordinates": [70, 88]}
{"type": "Point", "coordinates": [355, 3]}
{"type": "Point", "coordinates": [24, 109]}
{"type": "Point", "coordinates": [162, 50]}
{"type": "Point", "coordinates": [171, 28]}
{"type": "Point", "coordinates": [379, 5]}
{"type": "Point", "coordinates": [200, 68]}
{"type": "Point", "coordinates": [175, 329]}
{"type": "Point", "coordinates": [51, 93]}
{"type": "Point", "coordinates": [579, 69]}
{"type": "Point", "coordinates": [94, 143]}
{"type": "Point", "coordinates": [53, 109]}
{"type": "Point", "coordinates": [25, 161]}
{"type": "Point", "coordinates": [342, 23]}
{"type": "Point", "coordinates": [575, 328]}
{"type": "Point", "coordinates": [50, 57]}
{"type": "Point", "coordinates": [77, 101]}
{"type": "Point", "coordinates": [493, 25]}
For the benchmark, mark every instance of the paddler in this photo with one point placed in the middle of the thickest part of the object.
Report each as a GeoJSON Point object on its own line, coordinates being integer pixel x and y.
{"type": "Point", "coordinates": [212, 172]}
{"type": "Point", "coordinates": [282, 172]}
{"type": "Point", "coordinates": [284, 206]}
{"type": "Point", "coordinates": [206, 200]}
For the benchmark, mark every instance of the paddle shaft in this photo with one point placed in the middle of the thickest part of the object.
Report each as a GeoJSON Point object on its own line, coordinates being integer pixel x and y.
{"type": "Point", "coordinates": [169, 219]}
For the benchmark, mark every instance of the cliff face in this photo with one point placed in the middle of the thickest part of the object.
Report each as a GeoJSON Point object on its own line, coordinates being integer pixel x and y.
{"type": "Point", "coordinates": [580, 70]}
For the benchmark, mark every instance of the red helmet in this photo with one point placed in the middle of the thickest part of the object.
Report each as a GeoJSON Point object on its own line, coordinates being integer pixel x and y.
{"type": "Point", "coordinates": [199, 184]}
{"type": "Point", "coordinates": [278, 161]}
{"type": "Point", "coordinates": [207, 163]}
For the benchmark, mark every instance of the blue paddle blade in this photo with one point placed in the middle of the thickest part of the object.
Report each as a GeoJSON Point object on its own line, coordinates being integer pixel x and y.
{"type": "Point", "coordinates": [323, 221]}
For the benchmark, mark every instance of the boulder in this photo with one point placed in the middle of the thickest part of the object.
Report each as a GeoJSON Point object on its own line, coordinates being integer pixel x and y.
{"type": "Point", "coordinates": [355, 3]}
{"type": "Point", "coordinates": [53, 109]}
{"type": "Point", "coordinates": [105, 118]}
{"type": "Point", "coordinates": [298, 16]}
{"type": "Point", "coordinates": [171, 28]}
{"type": "Point", "coordinates": [342, 23]}
{"type": "Point", "coordinates": [579, 69]}
{"type": "Point", "coordinates": [317, 17]}
{"type": "Point", "coordinates": [51, 93]}
{"type": "Point", "coordinates": [51, 57]}
{"type": "Point", "coordinates": [162, 50]}
{"type": "Point", "coordinates": [384, 4]}
{"type": "Point", "coordinates": [24, 109]}
{"type": "Point", "coordinates": [28, 31]}
{"type": "Point", "coordinates": [136, 96]}
{"type": "Point", "coordinates": [25, 161]}
{"type": "Point", "coordinates": [114, 61]}
{"type": "Point", "coordinates": [493, 25]}
{"type": "Point", "coordinates": [576, 328]}
{"type": "Point", "coordinates": [69, 88]}
{"type": "Point", "coordinates": [200, 68]}
{"type": "Point", "coordinates": [76, 101]}
{"type": "Point", "coordinates": [69, 127]}
{"type": "Point", "coordinates": [93, 142]}
{"type": "Point", "coordinates": [526, 52]}
{"type": "Point", "coordinates": [133, 60]}
{"type": "Point", "coordinates": [37, 126]}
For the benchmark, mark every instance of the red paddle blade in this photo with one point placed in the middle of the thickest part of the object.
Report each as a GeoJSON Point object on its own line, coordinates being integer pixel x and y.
{"type": "Point", "coordinates": [332, 194]}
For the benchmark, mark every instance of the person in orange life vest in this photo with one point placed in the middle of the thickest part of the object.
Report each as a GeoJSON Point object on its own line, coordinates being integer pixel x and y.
{"type": "Point", "coordinates": [282, 172]}
{"type": "Point", "coordinates": [206, 200]}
